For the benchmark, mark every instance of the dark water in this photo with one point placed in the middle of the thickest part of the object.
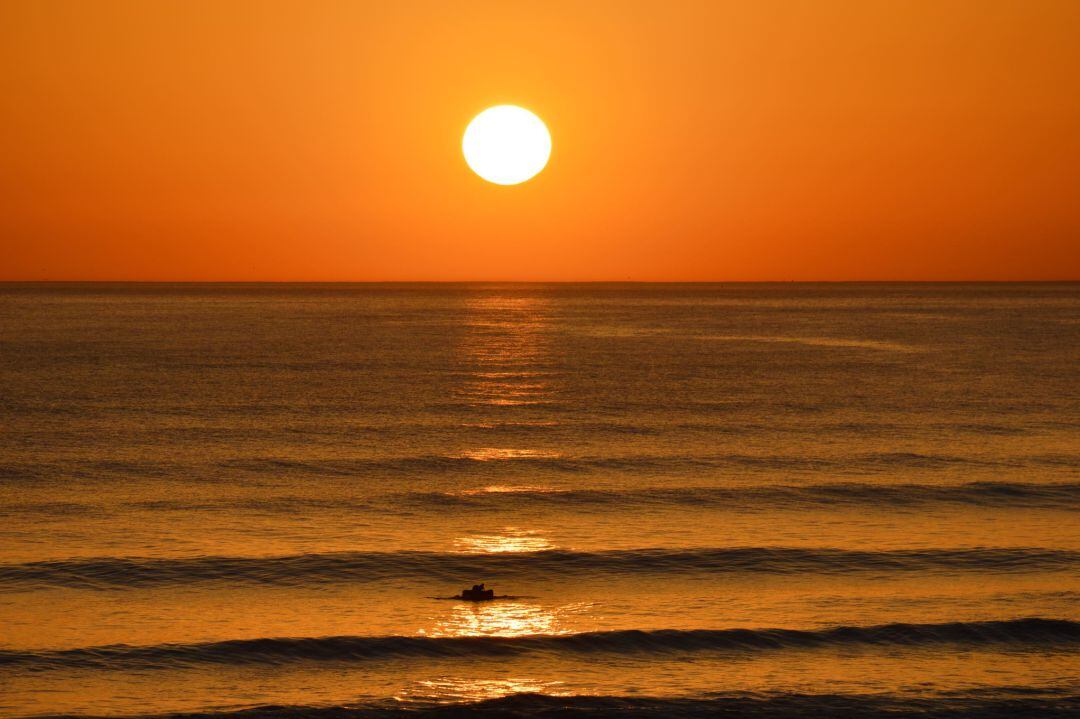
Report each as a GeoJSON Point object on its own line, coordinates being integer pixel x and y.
{"type": "Point", "coordinates": [704, 500]}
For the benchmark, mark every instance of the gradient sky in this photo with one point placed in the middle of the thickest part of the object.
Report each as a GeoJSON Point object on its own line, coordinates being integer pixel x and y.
{"type": "Point", "coordinates": [764, 140]}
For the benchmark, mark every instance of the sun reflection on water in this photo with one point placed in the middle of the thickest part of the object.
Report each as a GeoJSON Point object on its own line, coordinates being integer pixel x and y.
{"type": "Point", "coordinates": [509, 539]}
{"type": "Point", "coordinates": [506, 345]}
{"type": "Point", "coordinates": [499, 619]}
{"type": "Point", "coordinates": [492, 454]}
{"type": "Point", "coordinates": [510, 489]}
{"type": "Point", "coordinates": [462, 689]}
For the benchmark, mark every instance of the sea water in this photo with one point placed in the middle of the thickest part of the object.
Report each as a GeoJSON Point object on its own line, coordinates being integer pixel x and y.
{"type": "Point", "coordinates": [744, 500]}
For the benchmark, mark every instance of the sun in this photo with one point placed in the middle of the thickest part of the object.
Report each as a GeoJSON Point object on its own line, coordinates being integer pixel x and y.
{"type": "Point", "coordinates": [506, 144]}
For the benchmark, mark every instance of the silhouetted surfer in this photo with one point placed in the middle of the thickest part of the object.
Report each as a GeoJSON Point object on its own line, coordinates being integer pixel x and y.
{"type": "Point", "coordinates": [478, 593]}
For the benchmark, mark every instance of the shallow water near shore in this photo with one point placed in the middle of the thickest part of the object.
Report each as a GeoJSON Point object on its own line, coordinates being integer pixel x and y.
{"type": "Point", "coordinates": [722, 500]}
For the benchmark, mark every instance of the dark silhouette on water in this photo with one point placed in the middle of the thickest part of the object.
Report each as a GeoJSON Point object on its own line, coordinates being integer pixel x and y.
{"type": "Point", "coordinates": [477, 593]}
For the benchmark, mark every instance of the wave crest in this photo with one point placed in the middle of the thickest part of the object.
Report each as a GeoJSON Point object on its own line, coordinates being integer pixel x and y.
{"type": "Point", "coordinates": [1036, 633]}
{"type": "Point", "coordinates": [356, 567]}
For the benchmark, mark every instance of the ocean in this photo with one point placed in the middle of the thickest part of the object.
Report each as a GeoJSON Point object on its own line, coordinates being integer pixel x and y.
{"type": "Point", "coordinates": [754, 500]}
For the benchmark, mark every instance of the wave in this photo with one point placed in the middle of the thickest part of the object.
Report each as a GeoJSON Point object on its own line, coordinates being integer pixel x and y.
{"type": "Point", "coordinates": [989, 495]}
{"type": "Point", "coordinates": [479, 461]}
{"type": "Point", "coordinates": [341, 567]}
{"type": "Point", "coordinates": [1034, 633]}
{"type": "Point", "coordinates": [989, 703]}
{"type": "Point", "coordinates": [1010, 495]}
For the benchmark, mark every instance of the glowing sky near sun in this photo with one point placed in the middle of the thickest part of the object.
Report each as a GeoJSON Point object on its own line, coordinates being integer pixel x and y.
{"type": "Point", "coordinates": [695, 141]}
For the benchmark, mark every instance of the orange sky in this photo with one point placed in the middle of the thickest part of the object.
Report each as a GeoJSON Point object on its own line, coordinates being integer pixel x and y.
{"type": "Point", "coordinates": [750, 140]}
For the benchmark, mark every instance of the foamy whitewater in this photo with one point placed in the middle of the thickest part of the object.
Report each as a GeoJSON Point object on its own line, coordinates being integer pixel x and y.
{"type": "Point", "coordinates": [703, 500]}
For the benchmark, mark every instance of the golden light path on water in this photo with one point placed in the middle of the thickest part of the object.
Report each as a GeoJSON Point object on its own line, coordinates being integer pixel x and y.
{"type": "Point", "coordinates": [455, 689]}
{"type": "Point", "coordinates": [488, 454]}
{"type": "Point", "coordinates": [494, 619]}
{"type": "Point", "coordinates": [506, 338]}
{"type": "Point", "coordinates": [510, 618]}
{"type": "Point", "coordinates": [510, 539]}
{"type": "Point", "coordinates": [505, 342]}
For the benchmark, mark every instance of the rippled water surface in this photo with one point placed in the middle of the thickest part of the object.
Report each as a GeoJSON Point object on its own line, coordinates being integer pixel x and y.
{"type": "Point", "coordinates": [700, 500]}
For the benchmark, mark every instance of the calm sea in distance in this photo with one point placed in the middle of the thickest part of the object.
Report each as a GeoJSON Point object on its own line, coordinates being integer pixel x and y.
{"type": "Point", "coordinates": [700, 500]}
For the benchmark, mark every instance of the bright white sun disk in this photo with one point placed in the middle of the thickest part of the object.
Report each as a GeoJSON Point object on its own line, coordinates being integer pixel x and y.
{"type": "Point", "coordinates": [506, 145]}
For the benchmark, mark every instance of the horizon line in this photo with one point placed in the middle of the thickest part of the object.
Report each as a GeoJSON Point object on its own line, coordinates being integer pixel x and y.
{"type": "Point", "coordinates": [535, 282]}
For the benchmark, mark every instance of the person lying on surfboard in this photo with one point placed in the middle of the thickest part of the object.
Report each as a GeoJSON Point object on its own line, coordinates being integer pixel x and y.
{"type": "Point", "coordinates": [477, 593]}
